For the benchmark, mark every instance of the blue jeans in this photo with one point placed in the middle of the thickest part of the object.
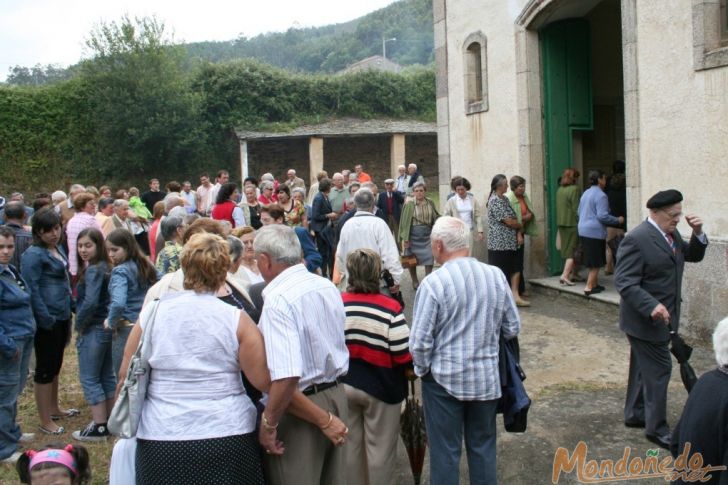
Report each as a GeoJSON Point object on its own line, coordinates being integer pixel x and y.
{"type": "Point", "coordinates": [121, 335]}
{"type": "Point", "coordinates": [12, 381]}
{"type": "Point", "coordinates": [446, 417]}
{"type": "Point", "coordinates": [95, 367]}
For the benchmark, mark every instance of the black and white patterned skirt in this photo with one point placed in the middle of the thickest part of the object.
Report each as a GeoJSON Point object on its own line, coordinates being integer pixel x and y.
{"type": "Point", "coordinates": [231, 460]}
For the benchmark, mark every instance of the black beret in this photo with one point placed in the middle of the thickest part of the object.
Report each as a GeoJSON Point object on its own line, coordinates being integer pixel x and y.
{"type": "Point", "coordinates": [664, 198]}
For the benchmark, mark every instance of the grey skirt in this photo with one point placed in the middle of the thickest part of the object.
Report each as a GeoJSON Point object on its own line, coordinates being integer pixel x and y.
{"type": "Point", "coordinates": [420, 245]}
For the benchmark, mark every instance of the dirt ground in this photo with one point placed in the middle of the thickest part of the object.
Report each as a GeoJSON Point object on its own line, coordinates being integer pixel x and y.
{"type": "Point", "coordinates": [576, 360]}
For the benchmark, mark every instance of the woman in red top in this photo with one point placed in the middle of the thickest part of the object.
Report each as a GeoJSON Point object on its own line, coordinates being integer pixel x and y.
{"type": "Point", "coordinates": [266, 193]}
{"type": "Point", "coordinates": [226, 209]}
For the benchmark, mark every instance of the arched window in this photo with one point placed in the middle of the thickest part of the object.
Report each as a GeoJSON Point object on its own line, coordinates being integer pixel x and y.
{"type": "Point", "coordinates": [475, 73]}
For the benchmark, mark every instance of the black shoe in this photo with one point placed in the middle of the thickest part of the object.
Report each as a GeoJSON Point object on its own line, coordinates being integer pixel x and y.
{"type": "Point", "coordinates": [634, 424]}
{"type": "Point", "coordinates": [661, 441]}
{"type": "Point", "coordinates": [593, 291]}
{"type": "Point", "coordinates": [599, 288]}
{"type": "Point", "coordinates": [92, 432]}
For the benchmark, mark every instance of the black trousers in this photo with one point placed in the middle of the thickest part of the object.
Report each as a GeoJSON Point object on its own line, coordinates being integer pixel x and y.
{"type": "Point", "coordinates": [650, 367]}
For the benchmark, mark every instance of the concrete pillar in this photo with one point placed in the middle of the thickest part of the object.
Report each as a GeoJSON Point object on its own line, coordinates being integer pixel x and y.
{"type": "Point", "coordinates": [243, 161]}
{"type": "Point", "coordinates": [315, 157]}
{"type": "Point", "coordinates": [396, 153]}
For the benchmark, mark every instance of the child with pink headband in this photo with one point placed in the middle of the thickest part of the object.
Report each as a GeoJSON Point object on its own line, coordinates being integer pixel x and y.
{"type": "Point", "coordinates": [67, 465]}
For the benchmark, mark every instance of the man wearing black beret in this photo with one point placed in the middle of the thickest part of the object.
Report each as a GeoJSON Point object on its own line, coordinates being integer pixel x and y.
{"type": "Point", "coordinates": [648, 277]}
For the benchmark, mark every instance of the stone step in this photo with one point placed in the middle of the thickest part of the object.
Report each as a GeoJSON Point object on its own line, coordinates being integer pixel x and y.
{"type": "Point", "coordinates": [608, 299]}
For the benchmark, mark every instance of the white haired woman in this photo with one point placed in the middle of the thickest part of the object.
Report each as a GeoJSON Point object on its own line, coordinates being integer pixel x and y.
{"type": "Point", "coordinates": [704, 421]}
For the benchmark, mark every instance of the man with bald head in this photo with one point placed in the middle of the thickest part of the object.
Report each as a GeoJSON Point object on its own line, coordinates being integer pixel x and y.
{"type": "Point", "coordinates": [648, 276]}
{"type": "Point", "coordinates": [292, 181]}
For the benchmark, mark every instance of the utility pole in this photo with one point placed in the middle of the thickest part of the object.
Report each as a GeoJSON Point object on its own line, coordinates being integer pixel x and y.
{"type": "Point", "coordinates": [384, 45]}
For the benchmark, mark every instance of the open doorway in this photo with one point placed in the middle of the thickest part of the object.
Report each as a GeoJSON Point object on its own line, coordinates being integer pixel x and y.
{"type": "Point", "coordinates": [583, 100]}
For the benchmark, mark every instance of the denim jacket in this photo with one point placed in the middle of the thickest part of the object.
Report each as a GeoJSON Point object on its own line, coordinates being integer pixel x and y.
{"type": "Point", "coordinates": [16, 314]}
{"type": "Point", "coordinates": [126, 292]}
{"type": "Point", "coordinates": [50, 287]}
{"type": "Point", "coordinates": [92, 303]}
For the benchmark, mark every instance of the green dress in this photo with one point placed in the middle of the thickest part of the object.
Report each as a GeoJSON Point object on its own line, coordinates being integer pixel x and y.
{"type": "Point", "coordinates": [567, 205]}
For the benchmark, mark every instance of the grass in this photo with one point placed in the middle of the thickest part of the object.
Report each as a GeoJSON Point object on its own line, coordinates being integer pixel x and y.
{"type": "Point", "coordinates": [71, 396]}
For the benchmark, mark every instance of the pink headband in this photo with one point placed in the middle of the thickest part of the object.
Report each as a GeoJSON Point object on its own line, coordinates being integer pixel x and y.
{"type": "Point", "coordinates": [62, 457]}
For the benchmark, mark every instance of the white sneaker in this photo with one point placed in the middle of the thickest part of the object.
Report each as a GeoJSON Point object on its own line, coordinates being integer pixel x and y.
{"type": "Point", "coordinates": [26, 437]}
{"type": "Point", "coordinates": [12, 459]}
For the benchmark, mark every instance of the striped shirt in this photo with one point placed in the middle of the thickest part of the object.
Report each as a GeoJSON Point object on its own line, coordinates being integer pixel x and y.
{"type": "Point", "coordinates": [459, 313]}
{"type": "Point", "coordinates": [377, 338]}
{"type": "Point", "coordinates": [303, 326]}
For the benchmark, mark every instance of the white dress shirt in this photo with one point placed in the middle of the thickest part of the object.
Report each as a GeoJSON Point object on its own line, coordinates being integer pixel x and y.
{"type": "Point", "coordinates": [465, 210]}
{"type": "Point", "coordinates": [365, 230]}
{"type": "Point", "coordinates": [303, 325]}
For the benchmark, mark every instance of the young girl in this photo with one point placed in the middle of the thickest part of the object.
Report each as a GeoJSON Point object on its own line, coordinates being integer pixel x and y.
{"type": "Point", "coordinates": [54, 465]}
{"type": "Point", "coordinates": [93, 341]}
{"type": "Point", "coordinates": [45, 269]}
{"type": "Point", "coordinates": [132, 276]}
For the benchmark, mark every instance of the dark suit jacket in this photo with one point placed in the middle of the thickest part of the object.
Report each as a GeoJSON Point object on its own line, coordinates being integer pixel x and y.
{"type": "Point", "coordinates": [310, 253]}
{"type": "Point", "coordinates": [648, 273]}
{"type": "Point", "coordinates": [396, 204]}
{"type": "Point", "coordinates": [320, 207]}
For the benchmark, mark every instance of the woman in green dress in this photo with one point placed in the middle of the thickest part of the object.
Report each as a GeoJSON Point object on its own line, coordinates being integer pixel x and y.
{"type": "Point", "coordinates": [415, 226]}
{"type": "Point", "coordinates": [567, 203]}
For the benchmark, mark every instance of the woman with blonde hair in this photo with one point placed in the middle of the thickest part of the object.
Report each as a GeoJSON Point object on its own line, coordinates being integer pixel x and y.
{"type": "Point", "coordinates": [196, 359]}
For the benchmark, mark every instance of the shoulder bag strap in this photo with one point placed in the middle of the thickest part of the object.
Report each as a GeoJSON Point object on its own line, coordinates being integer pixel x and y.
{"type": "Point", "coordinates": [144, 341]}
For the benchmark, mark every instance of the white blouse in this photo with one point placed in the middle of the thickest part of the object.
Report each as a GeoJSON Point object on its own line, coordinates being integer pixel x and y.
{"type": "Point", "coordinates": [195, 390]}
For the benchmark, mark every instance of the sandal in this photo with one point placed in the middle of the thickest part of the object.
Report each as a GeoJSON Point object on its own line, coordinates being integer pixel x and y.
{"type": "Point", "coordinates": [68, 414]}
{"type": "Point", "coordinates": [57, 432]}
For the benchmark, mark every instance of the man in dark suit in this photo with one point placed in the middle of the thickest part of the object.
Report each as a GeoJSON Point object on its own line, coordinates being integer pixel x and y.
{"type": "Point", "coordinates": [648, 276]}
{"type": "Point", "coordinates": [322, 217]}
{"type": "Point", "coordinates": [390, 203]}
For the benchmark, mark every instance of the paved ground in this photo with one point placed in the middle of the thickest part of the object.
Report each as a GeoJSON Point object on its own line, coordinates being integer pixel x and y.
{"type": "Point", "coordinates": [576, 360]}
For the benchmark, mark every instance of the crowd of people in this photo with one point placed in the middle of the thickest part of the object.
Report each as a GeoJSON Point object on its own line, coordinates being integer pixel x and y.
{"type": "Point", "coordinates": [275, 316]}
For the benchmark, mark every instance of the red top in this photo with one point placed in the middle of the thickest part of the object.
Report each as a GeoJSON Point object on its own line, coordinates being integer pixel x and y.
{"type": "Point", "coordinates": [224, 212]}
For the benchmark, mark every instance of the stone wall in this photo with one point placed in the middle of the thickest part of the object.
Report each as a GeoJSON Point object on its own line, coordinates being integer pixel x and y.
{"type": "Point", "coordinates": [372, 152]}
{"type": "Point", "coordinates": [705, 292]}
{"type": "Point", "coordinates": [277, 156]}
{"type": "Point", "coordinates": [422, 150]}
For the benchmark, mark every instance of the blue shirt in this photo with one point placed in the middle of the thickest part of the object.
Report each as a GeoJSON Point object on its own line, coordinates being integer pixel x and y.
{"type": "Point", "coordinates": [459, 312]}
{"type": "Point", "coordinates": [49, 284]}
{"type": "Point", "coordinates": [126, 293]}
{"type": "Point", "coordinates": [594, 216]}
{"type": "Point", "coordinates": [16, 314]}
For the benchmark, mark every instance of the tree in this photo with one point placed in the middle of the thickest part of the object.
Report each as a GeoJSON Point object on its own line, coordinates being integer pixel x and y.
{"type": "Point", "coordinates": [144, 114]}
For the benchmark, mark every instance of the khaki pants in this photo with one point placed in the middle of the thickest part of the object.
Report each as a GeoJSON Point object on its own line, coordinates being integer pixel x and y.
{"type": "Point", "coordinates": [371, 449]}
{"type": "Point", "coordinates": [310, 458]}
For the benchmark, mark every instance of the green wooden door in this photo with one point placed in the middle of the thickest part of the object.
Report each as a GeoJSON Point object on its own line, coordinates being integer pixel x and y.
{"type": "Point", "coordinates": [568, 107]}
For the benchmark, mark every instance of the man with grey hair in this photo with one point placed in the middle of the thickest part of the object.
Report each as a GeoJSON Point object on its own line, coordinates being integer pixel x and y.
{"type": "Point", "coordinates": [303, 326]}
{"type": "Point", "coordinates": [365, 230]}
{"type": "Point", "coordinates": [66, 209]}
{"type": "Point", "coordinates": [172, 229]}
{"type": "Point", "coordinates": [414, 177]}
{"type": "Point", "coordinates": [120, 219]}
{"type": "Point", "coordinates": [402, 179]}
{"type": "Point", "coordinates": [57, 197]}
{"type": "Point", "coordinates": [292, 181]}
{"type": "Point", "coordinates": [338, 194]}
{"type": "Point", "coordinates": [459, 312]}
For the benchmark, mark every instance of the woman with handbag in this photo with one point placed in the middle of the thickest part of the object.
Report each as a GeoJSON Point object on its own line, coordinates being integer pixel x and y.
{"type": "Point", "coordinates": [415, 226]}
{"type": "Point", "coordinates": [195, 363]}
{"type": "Point", "coordinates": [93, 341]}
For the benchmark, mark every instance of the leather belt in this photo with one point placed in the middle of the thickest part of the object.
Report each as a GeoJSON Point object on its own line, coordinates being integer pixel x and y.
{"type": "Point", "coordinates": [314, 388]}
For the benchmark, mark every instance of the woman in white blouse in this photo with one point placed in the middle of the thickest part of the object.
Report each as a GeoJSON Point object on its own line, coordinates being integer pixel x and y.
{"type": "Point", "coordinates": [465, 206]}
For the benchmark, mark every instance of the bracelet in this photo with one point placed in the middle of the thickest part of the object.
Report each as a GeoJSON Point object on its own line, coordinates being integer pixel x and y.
{"type": "Point", "coordinates": [267, 425]}
{"type": "Point", "coordinates": [331, 418]}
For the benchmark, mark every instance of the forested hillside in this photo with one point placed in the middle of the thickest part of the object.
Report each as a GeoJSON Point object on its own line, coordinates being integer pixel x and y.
{"type": "Point", "coordinates": [333, 47]}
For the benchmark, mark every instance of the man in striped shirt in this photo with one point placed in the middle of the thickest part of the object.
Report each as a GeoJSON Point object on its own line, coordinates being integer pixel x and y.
{"type": "Point", "coordinates": [460, 311]}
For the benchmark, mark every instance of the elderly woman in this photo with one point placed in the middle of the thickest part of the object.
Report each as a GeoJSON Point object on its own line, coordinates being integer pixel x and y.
{"type": "Point", "coordinates": [523, 208]}
{"type": "Point", "coordinates": [266, 193]}
{"type": "Point", "coordinates": [44, 266]}
{"type": "Point", "coordinates": [173, 228]}
{"type": "Point", "coordinates": [567, 204]}
{"type": "Point", "coordinates": [703, 424]}
{"type": "Point", "coordinates": [17, 328]}
{"type": "Point", "coordinates": [293, 210]}
{"type": "Point", "coordinates": [299, 194]}
{"type": "Point", "coordinates": [503, 227]}
{"type": "Point", "coordinates": [85, 205]}
{"type": "Point", "coordinates": [415, 225]}
{"type": "Point", "coordinates": [465, 206]}
{"type": "Point", "coordinates": [196, 358]}
{"type": "Point", "coordinates": [226, 208]}
{"type": "Point", "coordinates": [251, 207]}
{"type": "Point", "coordinates": [594, 217]}
{"type": "Point", "coordinates": [377, 339]}
{"type": "Point", "coordinates": [248, 265]}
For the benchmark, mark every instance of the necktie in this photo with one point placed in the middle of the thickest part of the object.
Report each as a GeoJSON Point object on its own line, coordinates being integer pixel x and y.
{"type": "Point", "coordinates": [671, 241]}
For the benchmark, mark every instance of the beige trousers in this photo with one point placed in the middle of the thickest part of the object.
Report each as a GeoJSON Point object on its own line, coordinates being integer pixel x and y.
{"type": "Point", "coordinates": [310, 458]}
{"type": "Point", "coordinates": [371, 449]}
